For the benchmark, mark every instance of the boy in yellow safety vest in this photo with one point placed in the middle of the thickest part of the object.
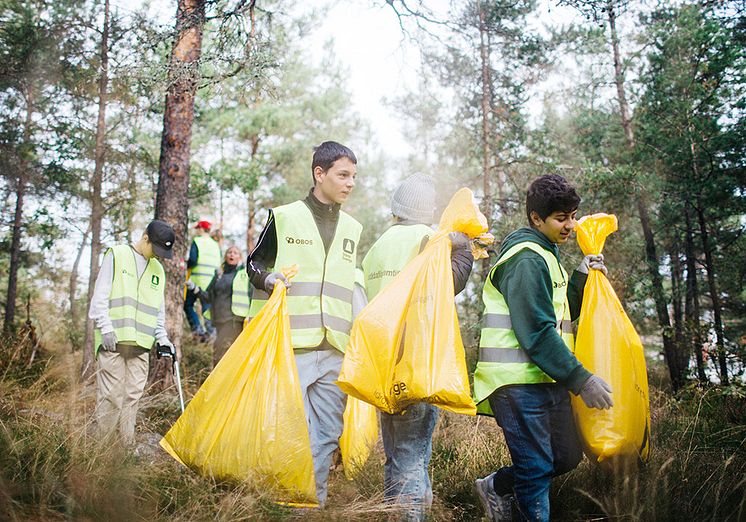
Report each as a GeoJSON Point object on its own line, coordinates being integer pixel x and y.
{"type": "Point", "coordinates": [128, 311]}
{"type": "Point", "coordinates": [526, 364]}
{"type": "Point", "coordinates": [407, 437]}
{"type": "Point", "coordinates": [322, 240]}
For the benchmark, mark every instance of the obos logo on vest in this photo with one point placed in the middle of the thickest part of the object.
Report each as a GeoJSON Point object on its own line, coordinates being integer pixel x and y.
{"type": "Point", "coordinates": [155, 280]}
{"type": "Point", "coordinates": [298, 241]}
{"type": "Point", "coordinates": [348, 249]}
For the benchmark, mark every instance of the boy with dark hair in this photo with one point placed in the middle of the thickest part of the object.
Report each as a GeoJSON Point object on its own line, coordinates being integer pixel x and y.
{"type": "Point", "coordinates": [526, 364]}
{"type": "Point", "coordinates": [322, 240]}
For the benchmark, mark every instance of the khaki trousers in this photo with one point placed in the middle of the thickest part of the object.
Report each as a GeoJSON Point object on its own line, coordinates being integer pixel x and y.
{"type": "Point", "coordinates": [120, 380]}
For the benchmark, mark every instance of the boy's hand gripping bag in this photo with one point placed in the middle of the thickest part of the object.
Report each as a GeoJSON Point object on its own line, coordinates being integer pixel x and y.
{"type": "Point", "coordinates": [608, 345]}
{"type": "Point", "coordinates": [405, 346]}
{"type": "Point", "coordinates": [359, 436]}
{"type": "Point", "coordinates": [247, 422]}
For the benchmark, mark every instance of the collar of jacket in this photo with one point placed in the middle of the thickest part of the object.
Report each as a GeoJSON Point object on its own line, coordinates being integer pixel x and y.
{"type": "Point", "coordinates": [528, 234]}
{"type": "Point", "coordinates": [319, 209]}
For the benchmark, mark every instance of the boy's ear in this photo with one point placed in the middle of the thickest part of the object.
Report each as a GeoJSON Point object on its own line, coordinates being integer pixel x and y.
{"type": "Point", "coordinates": [317, 173]}
{"type": "Point", "coordinates": [535, 219]}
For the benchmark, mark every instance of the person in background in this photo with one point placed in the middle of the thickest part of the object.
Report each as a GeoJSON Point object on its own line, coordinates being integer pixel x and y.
{"type": "Point", "coordinates": [204, 259]}
{"type": "Point", "coordinates": [526, 364]}
{"type": "Point", "coordinates": [127, 308]}
{"type": "Point", "coordinates": [229, 296]}
{"type": "Point", "coordinates": [407, 437]}
{"type": "Point", "coordinates": [322, 240]}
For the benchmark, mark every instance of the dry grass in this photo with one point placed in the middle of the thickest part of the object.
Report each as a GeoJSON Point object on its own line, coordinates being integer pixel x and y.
{"type": "Point", "coordinates": [52, 467]}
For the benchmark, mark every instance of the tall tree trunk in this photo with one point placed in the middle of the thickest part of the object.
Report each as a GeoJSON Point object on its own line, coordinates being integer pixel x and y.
{"type": "Point", "coordinates": [678, 376]}
{"type": "Point", "coordinates": [251, 224]}
{"type": "Point", "coordinates": [73, 290]}
{"type": "Point", "coordinates": [484, 53]}
{"type": "Point", "coordinates": [677, 293]}
{"type": "Point", "coordinates": [692, 312]}
{"type": "Point", "coordinates": [712, 285]}
{"type": "Point", "coordinates": [97, 205]}
{"type": "Point", "coordinates": [252, 204]}
{"type": "Point", "coordinates": [173, 182]}
{"type": "Point", "coordinates": [709, 267]}
{"type": "Point", "coordinates": [15, 242]}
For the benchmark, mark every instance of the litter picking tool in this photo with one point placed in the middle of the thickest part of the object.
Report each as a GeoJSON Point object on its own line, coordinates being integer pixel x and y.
{"type": "Point", "coordinates": [168, 351]}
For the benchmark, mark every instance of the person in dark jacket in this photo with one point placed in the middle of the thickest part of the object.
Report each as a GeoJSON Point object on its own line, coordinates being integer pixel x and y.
{"type": "Point", "coordinates": [229, 295]}
{"type": "Point", "coordinates": [526, 364]}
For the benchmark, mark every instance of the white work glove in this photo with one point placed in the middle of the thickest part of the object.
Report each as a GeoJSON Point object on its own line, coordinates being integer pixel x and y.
{"type": "Point", "coordinates": [459, 240]}
{"type": "Point", "coordinates": [595, 262]}
{"type": "Point", "coordinates": [269, 282]}
{"type": "Point", "coordinates": [192, 287]}
{"type": "Point", "coordinates": [596, 393]}
{"type": "Point", "coordinates": [109, 342]}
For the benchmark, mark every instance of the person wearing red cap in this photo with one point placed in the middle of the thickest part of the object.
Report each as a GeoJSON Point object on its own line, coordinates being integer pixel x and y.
{"type": "Point", "coordinates": [204, 259]}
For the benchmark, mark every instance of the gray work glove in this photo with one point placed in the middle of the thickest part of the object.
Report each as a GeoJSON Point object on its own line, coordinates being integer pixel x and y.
{"type": "Point", "coordinates": [168, 344]}
{"type": "Point", "coordinates": [459, 240]}
{"type": "Point", "coordinates": [595, 262]}
{"type": "Point", "coordinates": [596, 393]}
{"type": "Point", "coordinates": [109, 342]}
{"type": "Point", "coordinates": [192, 287]}
{"type": "Point", "coordinates": [269, 282]}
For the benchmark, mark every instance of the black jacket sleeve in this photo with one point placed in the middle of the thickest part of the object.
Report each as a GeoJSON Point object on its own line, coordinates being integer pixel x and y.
{"type": "Point", "coordinates": [264, 254]}
{"type": "Point", "coordinates": [462, 262]}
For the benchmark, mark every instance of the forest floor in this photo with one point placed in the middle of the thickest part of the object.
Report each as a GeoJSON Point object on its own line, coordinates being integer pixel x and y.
{"type": "Point", "coordinates": [52, 467]}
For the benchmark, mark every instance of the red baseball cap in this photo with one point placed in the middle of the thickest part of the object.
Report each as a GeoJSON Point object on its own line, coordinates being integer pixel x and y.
{"type": "Point", "coordinates": [203, 224]}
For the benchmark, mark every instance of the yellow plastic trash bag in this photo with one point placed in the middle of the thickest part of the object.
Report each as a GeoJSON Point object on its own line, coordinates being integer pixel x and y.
{"type": "Point", "coordinates": [405, 346]}
{"type": "Point", "coordinates": [247, 422]}
{"type": "Point", "coordinates": [359, 436]}
{"type": "Point", "coordinates": [608, 345]}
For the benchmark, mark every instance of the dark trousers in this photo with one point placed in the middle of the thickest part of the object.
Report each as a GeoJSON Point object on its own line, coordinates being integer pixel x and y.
{"type": "Point", "coordinates": [539, 429]}
{"type": "Point", "coordinates": [227, 333]}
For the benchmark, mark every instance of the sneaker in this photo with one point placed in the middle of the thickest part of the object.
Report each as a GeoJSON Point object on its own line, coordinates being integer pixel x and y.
{"type": "Point", "coordinates": [498, 508]}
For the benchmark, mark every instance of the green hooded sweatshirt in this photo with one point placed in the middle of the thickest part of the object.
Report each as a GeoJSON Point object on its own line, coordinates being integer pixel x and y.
{"type": "Point", "coordinates": [525, 283]}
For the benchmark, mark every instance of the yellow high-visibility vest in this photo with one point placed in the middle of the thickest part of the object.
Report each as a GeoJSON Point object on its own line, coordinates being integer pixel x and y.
{"type": "Point", "coordinates": [390, 253]}
{"type": "Point", "coordinates": [502, 361]}
{"type": "Point", "coordinates": [208, 260]}
{"type": "Point", "coordinates": [134, 302]}
{"type": "Point", "coordinates": [320, 297]}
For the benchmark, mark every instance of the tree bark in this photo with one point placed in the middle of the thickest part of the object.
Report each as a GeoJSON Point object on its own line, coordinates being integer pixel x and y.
{"type": "Point", "coordinates": [252, 204]}
{"type": "Point", "coordinates": [173, 182]}
{"type": "Point", "coordinates": [97, 205]}
{"type": "Point", "coordinates": [712, 286]}
{"type": "Point", "coordinates": [74, 313]}
{"type": "Point", "coordinates": [15, 242]}
{"type": "Point", "coordinates": [692, 312]}
{"type": "Point", "coordinates": [671, 350]}
{"type": "Point", "coordinates": [486, 107]}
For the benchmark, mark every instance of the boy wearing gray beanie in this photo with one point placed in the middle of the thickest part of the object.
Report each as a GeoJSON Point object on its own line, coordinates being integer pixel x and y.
{"type": "Point", "coordinates": [407, 438]}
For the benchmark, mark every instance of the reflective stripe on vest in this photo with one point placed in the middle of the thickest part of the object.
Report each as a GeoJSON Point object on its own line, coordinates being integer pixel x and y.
{"type": "Point", "coordinates": [208, 260]}
{"type": "Point", "coordinates": [134, 303]}
{"type": "Point", "coordinates": [320, 297]}
{"type": "Point", "coordinates": [390, 253]}
{"type": "Point", "coordinates": [502, 361]}
{"type": "Point", "coordinates": [240, 297]}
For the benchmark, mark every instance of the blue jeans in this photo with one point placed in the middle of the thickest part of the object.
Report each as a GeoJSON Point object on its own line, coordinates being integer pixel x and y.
{"type": "Point", "coordinates": [408, 444]}
{"type": "Point", "coordinates": [539, 429]}
{"type": "Point", "coordinates": [192, 317]}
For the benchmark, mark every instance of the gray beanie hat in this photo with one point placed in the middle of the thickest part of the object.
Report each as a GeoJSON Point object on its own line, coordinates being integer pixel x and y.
{"type": "Point", "coordinates": [414, 199]}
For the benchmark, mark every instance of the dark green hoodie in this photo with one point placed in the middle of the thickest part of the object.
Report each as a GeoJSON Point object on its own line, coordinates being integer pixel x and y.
{"type": "Point", "coordinates": [525, 283]}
